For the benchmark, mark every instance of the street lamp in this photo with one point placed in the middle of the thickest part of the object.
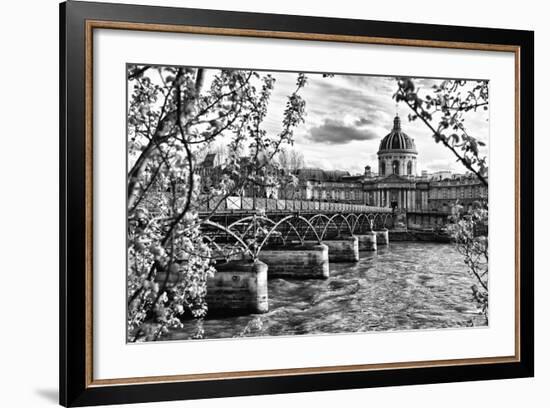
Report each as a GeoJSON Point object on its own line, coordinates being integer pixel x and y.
{"type": "Point", "coordinates": [319, 193]}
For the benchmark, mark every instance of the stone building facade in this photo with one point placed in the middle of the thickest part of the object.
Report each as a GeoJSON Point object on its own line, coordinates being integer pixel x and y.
{"type": "Point", "coordinates": [465, 189]}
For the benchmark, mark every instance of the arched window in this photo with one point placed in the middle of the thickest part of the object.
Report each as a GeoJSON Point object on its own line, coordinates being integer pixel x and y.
{"type": "Point", "coordinates": [383, 168]}
{"type": "Point", "coordinates": [409, 168]}
{"type": "Point", "coordinates": [395, 167]}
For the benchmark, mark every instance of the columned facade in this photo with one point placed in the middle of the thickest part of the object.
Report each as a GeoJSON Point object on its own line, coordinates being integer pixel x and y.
{"type": "Point", "coordinates": [408, 194]}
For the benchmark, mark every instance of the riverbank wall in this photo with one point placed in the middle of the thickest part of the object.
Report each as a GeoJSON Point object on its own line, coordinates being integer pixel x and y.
{"type": "Point", "coordinates": [404, 235]}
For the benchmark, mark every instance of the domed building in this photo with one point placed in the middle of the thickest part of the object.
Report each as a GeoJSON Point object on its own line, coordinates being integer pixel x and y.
{"type": "Point", "coordinates": [398, 185]}
{"type": "Point", "coordinates": [397, 153]}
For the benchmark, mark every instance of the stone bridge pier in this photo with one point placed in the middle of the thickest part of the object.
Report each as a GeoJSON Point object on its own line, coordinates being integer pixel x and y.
{"type": "Point", "coordinates": [345, 249]}
{"type": "Point", "coordinates": [367, 241]}
{"type": "Point", "coordinates": [383, 237]}
{"type": "Point", "coordinates": [296, 260]}
{"type": "Point", "coordinates": [238, 287]}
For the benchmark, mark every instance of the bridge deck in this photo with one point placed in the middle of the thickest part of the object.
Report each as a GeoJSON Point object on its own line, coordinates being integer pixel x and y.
{"type": "Point", "coordinates": [245, 213]}
{"type": "Point", "coordinates": [249, 205]}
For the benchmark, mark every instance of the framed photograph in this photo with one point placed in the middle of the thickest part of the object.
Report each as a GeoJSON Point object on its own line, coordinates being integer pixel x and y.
{"type": "Point", "coordinates": [256, 203]}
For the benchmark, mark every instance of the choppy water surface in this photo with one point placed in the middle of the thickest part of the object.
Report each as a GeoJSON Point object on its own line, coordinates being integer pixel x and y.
{"type": "Point", "coordinates": [401, 287]}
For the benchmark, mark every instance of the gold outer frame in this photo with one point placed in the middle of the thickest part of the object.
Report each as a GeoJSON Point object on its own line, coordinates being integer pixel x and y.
{"type": "Point", "coordinates": [116, 25]}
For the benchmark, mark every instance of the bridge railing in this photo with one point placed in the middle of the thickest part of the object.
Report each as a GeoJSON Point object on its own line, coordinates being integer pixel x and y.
{"type": "Point", "coordinates": [272, 204]}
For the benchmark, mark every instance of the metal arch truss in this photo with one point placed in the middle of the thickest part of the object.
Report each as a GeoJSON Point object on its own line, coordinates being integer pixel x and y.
{"type": "Point", "coordinates": [249, 234]}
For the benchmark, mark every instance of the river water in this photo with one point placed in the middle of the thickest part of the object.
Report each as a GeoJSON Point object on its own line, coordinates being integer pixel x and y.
{"type": "Point", "coordinates": [404, 286]}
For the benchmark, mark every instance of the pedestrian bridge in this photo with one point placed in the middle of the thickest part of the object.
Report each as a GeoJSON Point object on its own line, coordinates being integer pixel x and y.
{"type": "Point", "coordinates": [248, 225]}
{"type": "Point", "coordinates": [256, 238]}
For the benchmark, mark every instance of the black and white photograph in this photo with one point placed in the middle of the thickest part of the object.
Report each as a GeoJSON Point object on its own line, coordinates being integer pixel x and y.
{"type": "Point", "coordinates": [289, 203]}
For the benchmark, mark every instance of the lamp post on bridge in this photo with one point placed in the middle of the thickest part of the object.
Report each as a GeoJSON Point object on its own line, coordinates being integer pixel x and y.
{"type": "Point", "coordinates": [319, 193]}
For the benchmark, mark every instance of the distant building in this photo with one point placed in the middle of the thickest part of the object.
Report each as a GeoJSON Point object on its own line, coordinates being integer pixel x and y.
{"type": "Point", "coordinates": [326, 185]}
{"type": "Point", "coordinates": [396, 184]}
{"type": "Point", "coordinates": [441, 175]}
{"type": "Point", "coordinates": [464, 189]}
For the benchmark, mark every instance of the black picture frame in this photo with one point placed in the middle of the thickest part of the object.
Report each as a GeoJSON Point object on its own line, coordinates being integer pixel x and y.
{"type": "Point", "coordinates": [77, 387]}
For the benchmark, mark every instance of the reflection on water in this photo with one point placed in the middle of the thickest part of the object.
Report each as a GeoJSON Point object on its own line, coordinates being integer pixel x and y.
{"type": "Point", "coordinates": [401, 287]}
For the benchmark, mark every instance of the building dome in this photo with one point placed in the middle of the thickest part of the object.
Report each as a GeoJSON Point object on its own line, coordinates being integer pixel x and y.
{"type": "Point", "coordinates": [397, 153]}
{"type": "Point", "coordinates": [397, 140]}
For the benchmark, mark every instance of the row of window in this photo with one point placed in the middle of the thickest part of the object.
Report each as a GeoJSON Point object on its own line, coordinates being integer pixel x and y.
{"type": "Point", "coordinates": [465, 192]}
{"type": "Point", "coordinates": [356, 194]}
{"type": "Point", "coordinates": [338, 194]}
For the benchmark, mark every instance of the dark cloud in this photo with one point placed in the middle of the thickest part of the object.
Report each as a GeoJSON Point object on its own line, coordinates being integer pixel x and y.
{"type": "Point", "coordinates": [363, 121]}
{"type": "Point", "coordinates": [373, 117]}
{"type": "Point", "coordinates": [336, 132]}
{"type": "Point", "coordinates": [342, 100]}
{"type": "Point", "coordinates": [332, 92]}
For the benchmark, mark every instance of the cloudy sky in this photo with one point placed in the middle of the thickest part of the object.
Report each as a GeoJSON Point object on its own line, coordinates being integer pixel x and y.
{"type": "Point", "coordinates": [348, 115]}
